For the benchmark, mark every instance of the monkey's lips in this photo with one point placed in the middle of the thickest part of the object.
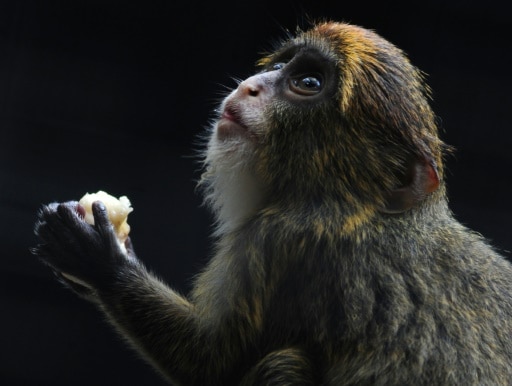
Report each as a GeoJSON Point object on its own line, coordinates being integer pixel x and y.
{"type": "Point", "coordinates": [230, 125]}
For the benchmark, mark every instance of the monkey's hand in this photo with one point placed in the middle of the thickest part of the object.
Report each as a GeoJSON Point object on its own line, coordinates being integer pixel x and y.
{"type": "Point", "coordinates": [84, 257]}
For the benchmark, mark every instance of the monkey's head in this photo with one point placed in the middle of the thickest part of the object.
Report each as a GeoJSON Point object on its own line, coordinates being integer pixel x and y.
{"type": "Point", "coordinates": [335, 113]}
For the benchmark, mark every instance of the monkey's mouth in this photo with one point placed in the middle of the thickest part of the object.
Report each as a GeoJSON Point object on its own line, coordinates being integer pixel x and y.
{"type": "Point", "coordinates": [230, 124]}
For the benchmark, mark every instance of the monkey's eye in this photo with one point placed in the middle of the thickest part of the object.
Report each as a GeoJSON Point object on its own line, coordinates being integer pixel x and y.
{"type": "Point", "coordinates": [277, 66]}
{"type": "Point", "coordinates": [306, 85]}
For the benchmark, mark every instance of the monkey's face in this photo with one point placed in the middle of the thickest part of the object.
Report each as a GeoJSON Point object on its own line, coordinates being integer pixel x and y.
{"type": "Point", "coordinates": [279, 116]}
{"type": "Point", "coordinates": [336, 111]}
{"type": "Point", "coordinates": [299, 80]}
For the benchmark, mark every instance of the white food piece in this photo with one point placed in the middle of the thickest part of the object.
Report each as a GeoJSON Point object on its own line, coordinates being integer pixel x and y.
{"type": "Point", "coordinates": [117, 209]}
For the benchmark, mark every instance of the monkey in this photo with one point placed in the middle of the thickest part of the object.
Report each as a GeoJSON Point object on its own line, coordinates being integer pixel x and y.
{"type": "Point", "coordinates": [336, 258]}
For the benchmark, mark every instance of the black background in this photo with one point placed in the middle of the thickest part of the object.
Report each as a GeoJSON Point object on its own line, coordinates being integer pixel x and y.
{"type": "Point", "coordinates": [113, 95]}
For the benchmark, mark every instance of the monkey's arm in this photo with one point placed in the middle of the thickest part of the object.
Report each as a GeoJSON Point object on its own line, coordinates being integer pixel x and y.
{"type": "Point", "coordinates": [161, 324]}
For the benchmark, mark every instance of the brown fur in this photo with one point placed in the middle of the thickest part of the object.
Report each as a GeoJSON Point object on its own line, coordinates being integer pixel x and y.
{"type": "Point", "coordinates": [346, 268]}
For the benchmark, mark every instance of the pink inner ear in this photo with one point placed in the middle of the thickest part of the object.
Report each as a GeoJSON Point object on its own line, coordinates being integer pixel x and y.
{"type": "Point", "coordinates": [432, 179]}
{"type": "Point", "coordinates": [424, 180]}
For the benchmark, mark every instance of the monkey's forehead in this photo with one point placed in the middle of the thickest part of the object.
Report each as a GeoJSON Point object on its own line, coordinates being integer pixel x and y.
{"type": "Point", "coordinates": [341, 42]}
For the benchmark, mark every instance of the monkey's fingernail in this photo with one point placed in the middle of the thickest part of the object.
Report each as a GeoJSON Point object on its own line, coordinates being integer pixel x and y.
{"type": "Point", "coordinates": [99, 205]}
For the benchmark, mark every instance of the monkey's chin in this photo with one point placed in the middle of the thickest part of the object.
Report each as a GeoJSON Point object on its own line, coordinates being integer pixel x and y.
{"type": "Point", "coordinates": [228, 129]}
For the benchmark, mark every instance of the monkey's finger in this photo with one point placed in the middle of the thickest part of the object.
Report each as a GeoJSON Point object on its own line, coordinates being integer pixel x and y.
{"type": "Point", "coordinates": [51, 216]}
{"type": "Point", "coordinates": [48, 209]}
{"type": "Point", "coordinates": [58, 247]}
{"type": "Point", "coordinates": [41, 252]}
{"type": "Point", "coordinates": [45, 213]}
{"type": "Point", "coordinates": [71, 234]}
{"type": "Point", "coordinates": [99, 211]}
{"type": "Point", "coordinates": [103, 223]}
{"type": "Point", "coordinates": [53, 233]}
{"type": "Point", "coordinates": [87, 235]}
{"type": "Point", "coordinates": [66, 238]}
{"type": "Point", "coordinates": [51, 257]}
{"type": "Point", "coordinates": [70, 214]}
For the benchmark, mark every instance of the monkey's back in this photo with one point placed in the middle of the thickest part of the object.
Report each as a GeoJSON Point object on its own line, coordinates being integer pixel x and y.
{"type": "Point", "coordinates": [442, 309]}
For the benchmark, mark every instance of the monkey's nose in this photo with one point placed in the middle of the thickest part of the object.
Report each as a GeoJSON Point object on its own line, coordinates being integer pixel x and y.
{"type": "Point", "coordinates": [255, 86]}
{"type": "Point", "coordinates": [259, 87]}
{"type": "Point", "coordinates": [250, 88]}
{"type": "Point", "coordinates": [253, 91]}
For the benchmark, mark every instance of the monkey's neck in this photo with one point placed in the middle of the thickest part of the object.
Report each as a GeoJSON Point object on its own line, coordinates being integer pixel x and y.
{"type": "Point", "coordinates": [334, 218]}
{"type": "Point", "coordinates": [233, 198]}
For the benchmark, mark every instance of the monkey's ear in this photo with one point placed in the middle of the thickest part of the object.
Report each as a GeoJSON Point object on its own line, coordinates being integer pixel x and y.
{"type": "Point", "coordinates": [420, 179]}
